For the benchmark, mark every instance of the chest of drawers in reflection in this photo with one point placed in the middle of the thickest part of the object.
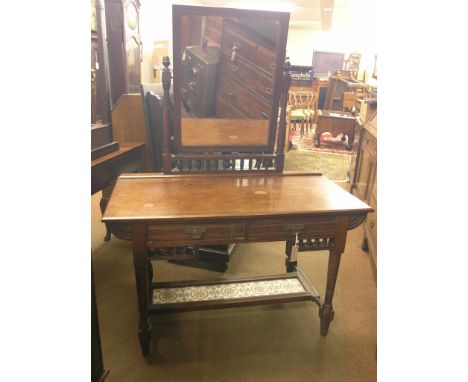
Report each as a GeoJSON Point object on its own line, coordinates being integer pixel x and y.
{"type": "Point", "coordinates": [246, 72]}
{"type": "Point", "coordinates": [199, 79]}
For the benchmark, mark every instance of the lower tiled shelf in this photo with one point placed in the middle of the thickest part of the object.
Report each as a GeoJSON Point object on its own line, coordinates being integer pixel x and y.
{"type": "Point", "coordinates": [224, 293]}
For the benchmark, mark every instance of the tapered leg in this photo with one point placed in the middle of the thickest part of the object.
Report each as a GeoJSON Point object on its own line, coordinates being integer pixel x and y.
{"type": "Point", "coordinates": [326, 312]}
{"type": "Point", "coordinates": [142, 271]}
{"type": "Point", "coordinates": [291, 266]}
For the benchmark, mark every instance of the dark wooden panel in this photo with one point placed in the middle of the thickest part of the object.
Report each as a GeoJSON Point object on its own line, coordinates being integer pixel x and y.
{"type": "Point", "coordinates": [106, 169]}
{"type": "Point", "coordinates": [129, 126]}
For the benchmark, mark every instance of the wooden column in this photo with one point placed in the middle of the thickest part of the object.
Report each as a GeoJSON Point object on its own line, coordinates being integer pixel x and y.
{"type": "Point", "coordinates": [166, 133]}
{"type": "Point", "coordinates": [283, 105]}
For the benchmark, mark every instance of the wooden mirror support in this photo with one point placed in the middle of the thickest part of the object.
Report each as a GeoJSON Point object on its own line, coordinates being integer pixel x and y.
{"type": "Point", "coordinates": [230, 91]}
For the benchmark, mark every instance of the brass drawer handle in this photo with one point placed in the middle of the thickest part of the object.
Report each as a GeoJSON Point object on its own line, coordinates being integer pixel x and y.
{"type": "Point", "coordinates": [231, 94]}
{"type": "Point", "coordinates": [268, 91]}
{"type": "Point", "coordinates": [195, 232]}
{"type": "Point", "coordinates": [272, 66]}
{"type": "Point", "coordinates": [264, 115]}
{"type": "Point", "coordinates": [294, 228]}
{"type": "Point", "coordinates": [234, 68]}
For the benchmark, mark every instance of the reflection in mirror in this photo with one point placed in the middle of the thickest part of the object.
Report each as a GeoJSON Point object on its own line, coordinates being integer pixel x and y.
{"type": "Point", "coordinates": [227, 85]}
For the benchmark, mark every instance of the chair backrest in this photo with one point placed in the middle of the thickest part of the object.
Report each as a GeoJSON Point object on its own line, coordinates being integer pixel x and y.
{"type": "Point", "coordinates": [302, 99]}
{"type": "Point", "coordinates": [152, 100]}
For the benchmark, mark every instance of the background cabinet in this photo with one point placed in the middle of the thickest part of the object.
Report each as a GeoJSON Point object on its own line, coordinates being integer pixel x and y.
{"type": "Point", "coordinates": [124, 46]}
{"type": "Point", "coordinates": [364, 184]}
{"type": "Point", "coordinates": [320, 87]}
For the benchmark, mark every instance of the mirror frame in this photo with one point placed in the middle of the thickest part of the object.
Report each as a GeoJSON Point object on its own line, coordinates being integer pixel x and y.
{"type": "Point", "coordinates": [187, 10]}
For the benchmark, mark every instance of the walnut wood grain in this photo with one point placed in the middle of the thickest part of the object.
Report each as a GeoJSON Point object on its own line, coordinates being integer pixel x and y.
{"type": "Point", "coordinates": [162, 198]}
{"type": "Point", "coordinates": [224, 132]}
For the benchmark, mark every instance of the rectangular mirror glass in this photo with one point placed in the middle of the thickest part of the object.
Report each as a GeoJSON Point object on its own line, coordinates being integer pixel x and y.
{"type": "Point", "coordinates": [228, 66]}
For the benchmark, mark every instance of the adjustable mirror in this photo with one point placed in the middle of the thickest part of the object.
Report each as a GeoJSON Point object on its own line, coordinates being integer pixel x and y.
{"type": "Point", "coordinates": [228, 69]}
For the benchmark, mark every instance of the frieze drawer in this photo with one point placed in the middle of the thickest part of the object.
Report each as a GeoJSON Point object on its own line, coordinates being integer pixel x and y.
{"type": "Point", "coordinates": [160, 235]}
{"type": "Point", "coordinates": [287, 230]}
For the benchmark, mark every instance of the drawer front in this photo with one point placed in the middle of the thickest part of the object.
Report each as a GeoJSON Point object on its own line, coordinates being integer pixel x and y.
{"type": "Point", "coordinates": [244, 47]}
{"type": "Point", "coordinates": [227, 110]}
{"type": "Point", "coordinates": [241, 98]}
{"type": "Point", "coordinates": [233, 93]}
{"type": "Point", "coordinates": [257, 109]}
{"type": "Point", "coordinates": [247, 75]}
{"type": "Point", "coordinates": [281, 229]}
{"type": "Point", "coordinates": [266, 59]}
{"type": "Point", "coordinates": [371, 225]}
{"type": "Point", "coordinates": [160, 235]}
{"type": "Point", "coordinates": [369, 143]}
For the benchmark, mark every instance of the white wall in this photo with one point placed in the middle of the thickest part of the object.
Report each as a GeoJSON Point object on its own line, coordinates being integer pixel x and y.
{"type": "Point", "coordinates": [155, 24]}
{"type": "Point", "coordinates": [301, 44]}
{"type": "Point", "coordinates": [353, 31]}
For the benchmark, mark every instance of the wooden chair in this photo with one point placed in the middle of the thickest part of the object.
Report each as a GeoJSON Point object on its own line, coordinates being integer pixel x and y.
{"type": "Point", "coordinates": [303, 109]}
{"type": "Point", "coordinates": [295, 115]}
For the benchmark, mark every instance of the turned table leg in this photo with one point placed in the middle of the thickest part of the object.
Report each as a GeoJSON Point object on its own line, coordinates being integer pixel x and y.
{"type": "Point", "coordinates": [326, 312]}
{"type": "Point", "coordinates": [291, 266]}
{"type": "Point", "coordinates": [142, 271]}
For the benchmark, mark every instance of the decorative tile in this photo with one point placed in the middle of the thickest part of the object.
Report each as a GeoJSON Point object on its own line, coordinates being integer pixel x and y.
{"type": "Point", "coordinates": [227, 291]}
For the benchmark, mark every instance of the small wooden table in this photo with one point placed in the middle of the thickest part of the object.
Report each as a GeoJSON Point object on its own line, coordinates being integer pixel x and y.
{"type": "Point", "coordinates": [335, 122]}
{"type": "Point", "coordinates": [307, 211]}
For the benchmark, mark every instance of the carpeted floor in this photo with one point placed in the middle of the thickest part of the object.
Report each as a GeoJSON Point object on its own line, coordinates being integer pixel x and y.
{"type": "Point", "coordinates": [262, 343]}
{"type": "Point", "coordinates": [331, 159]}
{"type": "Point", "coordinates": [332, 165]}
{"type": "Point", "coordinates": [328, 143]}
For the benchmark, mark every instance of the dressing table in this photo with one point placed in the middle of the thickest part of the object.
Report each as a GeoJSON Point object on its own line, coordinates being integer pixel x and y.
{"type": "Point", "coordinates": [229, 187]}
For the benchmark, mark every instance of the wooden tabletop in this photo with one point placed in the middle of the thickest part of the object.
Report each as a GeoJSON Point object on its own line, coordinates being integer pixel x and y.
{"type": "Point", "coordinates": [139, 197]}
